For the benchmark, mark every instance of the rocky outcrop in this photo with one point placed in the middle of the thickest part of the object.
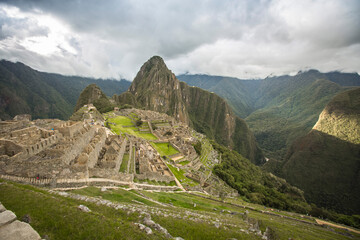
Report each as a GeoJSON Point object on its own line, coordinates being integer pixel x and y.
{"type": "Point", "coordinates": [341, 117]}
{"type": "Point", "coordinates": [156, 88]}
{"type": "Point", "coordinates": [325, 162]}
{"type": "Point", "coordinates": [93, 94]}
{"type": "Point", "coordinates": [12, 229]}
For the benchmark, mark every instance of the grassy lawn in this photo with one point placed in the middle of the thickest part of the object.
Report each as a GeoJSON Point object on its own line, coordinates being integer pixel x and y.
{"type": "Point", "coordinates": [185, 200]}
{"type": "Point", "coordinates": [121, 121]}
{"type": "Point", "coordinates": [58, 217]}
{"type": "Point", "coordinates": [124, 163]}
{"type": "Point", "coordinates": [183, 163]}
{"type": "Point", "coordinates": [180, 176]}
{"type": "Point", "coordinates": [165, 149]}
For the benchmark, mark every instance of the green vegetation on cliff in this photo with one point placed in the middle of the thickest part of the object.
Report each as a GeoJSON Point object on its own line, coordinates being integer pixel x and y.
{"type": "Point", "coordinates": [325, 162]}
{"type": "Point", "coordinates": [277, 109]}
{"type": "Point", "coordinates": [93, 94]}
{"type": "Point", "coordinates": [257, 186]}
{"type": "Point", "coordinates": [44, 95]}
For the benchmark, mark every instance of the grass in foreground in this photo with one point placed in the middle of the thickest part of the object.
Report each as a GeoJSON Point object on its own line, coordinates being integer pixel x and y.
{"type": "Point", "coordinates": [58, 217]}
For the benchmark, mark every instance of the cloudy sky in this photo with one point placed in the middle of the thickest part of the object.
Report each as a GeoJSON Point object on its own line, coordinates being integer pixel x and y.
{"type": "Point", "coordinates": [239, 38]}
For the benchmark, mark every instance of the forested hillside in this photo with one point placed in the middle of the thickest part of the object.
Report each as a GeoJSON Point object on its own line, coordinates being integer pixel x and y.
{"type": "Point", "coordinates": [44, 95]}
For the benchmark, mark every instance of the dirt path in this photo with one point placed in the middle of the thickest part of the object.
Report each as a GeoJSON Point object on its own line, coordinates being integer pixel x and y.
{"type": "Point", "coordinates": [322, 222]}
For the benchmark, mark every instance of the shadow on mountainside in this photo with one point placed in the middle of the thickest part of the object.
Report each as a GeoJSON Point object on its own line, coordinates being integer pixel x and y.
{"type": "Point", "coordinates": [327, 169]}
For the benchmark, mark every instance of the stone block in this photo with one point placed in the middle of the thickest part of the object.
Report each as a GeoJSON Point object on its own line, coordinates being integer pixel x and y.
{"type": "Point", "coordinates": [18, 230]}
{"type": "Point", "coordinates": [2, 208]}
{"type": "Point", "coordinates": [6, 217]}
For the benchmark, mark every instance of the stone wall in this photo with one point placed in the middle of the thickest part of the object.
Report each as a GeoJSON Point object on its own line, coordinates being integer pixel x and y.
{"type": "Point", "coordinates": [117, 179]}
{"type": "Point", "coordinates": [154, 176]}
{"type": "Point", "coordinates": [78, 145]}
{"type": "Point", "coordinates": [96, 144]}
{"type": "Point", "coordinates": [34, 181]}
{"type": "Point", "coordinates": [70, 128]}
{"type": "Point", "coordinates": [8, 126]}
{"type": "Point", "coordinates": [43, 144]}
{"type": "Point", "coordinates": [9, 148]}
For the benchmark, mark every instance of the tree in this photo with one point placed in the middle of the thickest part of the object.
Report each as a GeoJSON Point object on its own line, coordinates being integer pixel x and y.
{"type": "Point", "coordinates": [138, 122]}
{"type": "Point", "coordinates": [222, 195]}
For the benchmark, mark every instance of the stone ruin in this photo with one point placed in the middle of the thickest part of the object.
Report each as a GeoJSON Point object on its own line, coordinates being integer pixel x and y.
{"type": "Point", "coordinates": [55, 153]}
{"type": "Point", "coordinates": [54, 149]}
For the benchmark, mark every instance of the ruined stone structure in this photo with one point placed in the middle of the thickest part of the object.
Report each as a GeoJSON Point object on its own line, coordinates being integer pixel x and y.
{"type": "Point", "coordinates": [149, 164]}
{"type": "Point", "coordinates": [55, 153]}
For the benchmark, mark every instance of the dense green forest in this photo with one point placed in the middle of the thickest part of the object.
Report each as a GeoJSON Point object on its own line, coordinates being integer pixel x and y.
{"type": "Point", "coordinates": [45, 95]}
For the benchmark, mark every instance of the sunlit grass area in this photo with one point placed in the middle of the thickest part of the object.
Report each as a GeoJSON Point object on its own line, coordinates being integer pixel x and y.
{"type": "Point", "coordinates": [179, 174]}
{"type": "Point", "coordinates": [165, 149]}
{"type": "Point", "coordinates": [125, 125]}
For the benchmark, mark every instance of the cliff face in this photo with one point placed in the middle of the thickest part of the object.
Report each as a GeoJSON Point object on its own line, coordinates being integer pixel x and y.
{"type": "Point", "coordinates": [156, 88]}
{"type": "Point", "coordinates": [341, 117]}
{"type": "Point", "coordinates": [325, 163]}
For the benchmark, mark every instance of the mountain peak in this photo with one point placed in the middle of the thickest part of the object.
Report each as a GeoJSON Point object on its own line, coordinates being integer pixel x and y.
{"type": "Point", "coordinates": [153, 74]}
{"type": "Point", "coordinates": [154, 62]}
{"type": "Point", "coordinates": [156, 59]}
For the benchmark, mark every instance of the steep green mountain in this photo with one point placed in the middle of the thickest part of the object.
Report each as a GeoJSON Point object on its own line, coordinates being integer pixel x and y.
{"type": "Point", "coordinates": [93, 94]}
{"type": "Point", "coordinates": [156, 88]}
{"type": "Point", "coordinates": [238, 93]}
{"type": "Point", "coordinates": [277, 109]}
{"type": "Point", "coordinates": [44, 95]}
{"type": "Point", "coordinates": [256, 185]}
{"type": "Point", "coordinates": [325, 163]}
{"type": "Point", "coordinates": [288, 108]}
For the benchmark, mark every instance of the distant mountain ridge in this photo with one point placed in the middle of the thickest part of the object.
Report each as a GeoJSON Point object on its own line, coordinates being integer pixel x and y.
{"type": "Point", "coordinates": [277, 109]}
{"type": "Point", "coordinates": [156, 88]}
{"type": "Point", "coordinates": [45, 95]}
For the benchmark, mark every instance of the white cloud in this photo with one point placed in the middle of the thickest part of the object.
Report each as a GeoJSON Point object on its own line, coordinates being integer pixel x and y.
{"type": "Point", "coordinates": [245, 39]}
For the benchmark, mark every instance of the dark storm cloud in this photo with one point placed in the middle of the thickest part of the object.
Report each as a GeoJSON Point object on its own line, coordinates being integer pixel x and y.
{"type": "Point", "coordinates": [236, 38]}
